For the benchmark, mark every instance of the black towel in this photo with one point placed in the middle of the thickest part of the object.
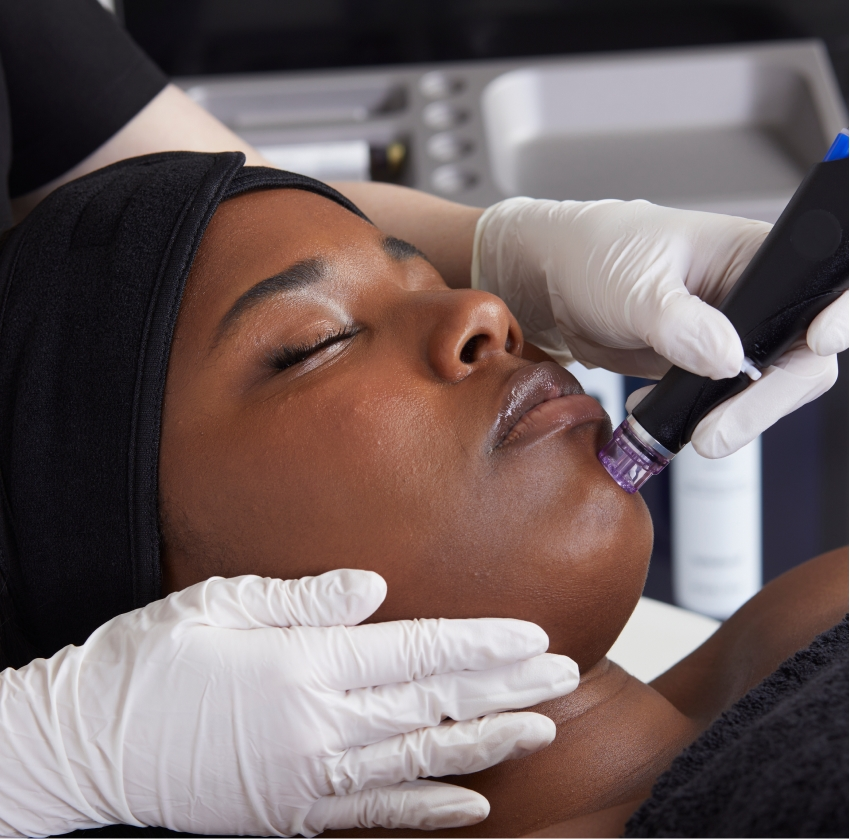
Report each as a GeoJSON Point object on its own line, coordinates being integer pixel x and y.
{"type": "Point", "coordinates": [775, 764]}
{"type": "Point", "coordinates": [90, 287]}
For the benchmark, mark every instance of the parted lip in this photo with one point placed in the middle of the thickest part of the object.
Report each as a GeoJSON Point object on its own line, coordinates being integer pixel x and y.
{"type": "Point", "coordinates": [527, 388]}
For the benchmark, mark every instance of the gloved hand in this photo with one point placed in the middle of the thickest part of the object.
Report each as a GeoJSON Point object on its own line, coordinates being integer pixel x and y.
{"type": "Point", "coordinates": [630, 286]}
{"type": "Point", "coordinates": [254, 706]}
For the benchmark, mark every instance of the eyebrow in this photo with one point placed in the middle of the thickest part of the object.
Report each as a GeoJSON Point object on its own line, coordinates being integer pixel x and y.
{"type": "Point", "coordinates": [401, 251]}
{"type": "Point", "coordinates": [298, 276]}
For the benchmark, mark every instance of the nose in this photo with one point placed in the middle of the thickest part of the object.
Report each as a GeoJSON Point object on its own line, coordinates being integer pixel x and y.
{"type": "Point", "coordinates": [469, 327]}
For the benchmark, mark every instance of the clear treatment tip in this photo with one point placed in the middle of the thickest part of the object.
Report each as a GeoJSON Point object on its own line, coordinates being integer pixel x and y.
{"type": "Point", "coordinates": [632, 456]}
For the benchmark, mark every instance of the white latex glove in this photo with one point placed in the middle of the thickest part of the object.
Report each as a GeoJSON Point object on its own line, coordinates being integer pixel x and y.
{"type": "Point", "coordinates": [254, 706]}
{"type": "Point", "coordinates": [630, 286]}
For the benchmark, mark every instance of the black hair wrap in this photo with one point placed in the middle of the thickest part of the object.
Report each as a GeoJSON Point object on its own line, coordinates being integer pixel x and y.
{"type": "Point", "coordinates": [90, 288]}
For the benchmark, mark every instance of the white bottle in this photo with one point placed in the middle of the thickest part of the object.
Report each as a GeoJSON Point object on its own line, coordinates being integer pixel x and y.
{"type": "Point", "coordinates": [716, 530]}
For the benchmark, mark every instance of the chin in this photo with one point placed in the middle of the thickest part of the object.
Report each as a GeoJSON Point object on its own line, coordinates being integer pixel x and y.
{"type": "Point", "coordinates": [608, 578]}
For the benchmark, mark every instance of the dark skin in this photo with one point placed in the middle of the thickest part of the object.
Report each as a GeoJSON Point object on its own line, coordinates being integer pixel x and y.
{"type": "Point", "coordinates": [785, 616]}
{"type": "Point", "coordinates": [376, 451]}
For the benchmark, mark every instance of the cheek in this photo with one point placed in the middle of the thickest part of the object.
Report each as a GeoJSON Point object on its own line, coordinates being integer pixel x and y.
{"type": "Point", "coordinates": [610, 570]}
{"type": "Point", "coordinates": [564, 547]}
{"type": "Point", "coordinates": [305, 486]}
{"type": "Point", "coordinates": [369, 478]}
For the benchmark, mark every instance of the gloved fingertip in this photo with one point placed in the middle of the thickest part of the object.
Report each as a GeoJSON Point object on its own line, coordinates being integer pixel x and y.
{"type": "Point", "coordinates": [829, 332]}
{"type": "Point", "coordinates": [443, 808]}
{"type": "Point", "coordinates": [409, 805]}
{"type": "Point", "coordinates": [501, 640]}
{"type": "Point", "coordinates": [698, 338]}
{"type": "Point", "coordinates": [538, 731]}
{"type": "Point", "coordinates": [342, 597]}
{"type": "Point", "coordinates": [358, 580]}
{"type": "Point", "coordinates": [528, 639]}
{"type": "Point", "coordinates": [561, 671]}
{"type": "Point", "coordinates": [828, 341]}
{"type": "Point", "coordinates": [358, 592]}
{"type": "Point", "coordinates": [637, 396]}
{"type": "Point", "coordinates": [449, 806]}
{"type": "Point", "coordinates": [712, 438]}
{"type": "Point", "coordinates": [712, 448]}
{"type": "Point", "coordinates": [475, 809]}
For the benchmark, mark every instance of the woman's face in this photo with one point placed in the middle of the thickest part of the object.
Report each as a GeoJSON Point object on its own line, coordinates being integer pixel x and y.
{"type": "Point", "coordinates": [352, 411]}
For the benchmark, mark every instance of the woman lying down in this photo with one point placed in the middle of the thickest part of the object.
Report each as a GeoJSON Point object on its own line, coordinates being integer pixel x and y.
{"type": "Point", "coordinates": [209, 370]}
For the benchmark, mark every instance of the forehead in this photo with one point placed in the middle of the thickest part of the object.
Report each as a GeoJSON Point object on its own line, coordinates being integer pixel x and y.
{"type": "Point", "coordinates": [269, 229]}
{"type": "Point", "coordinates": [261, 233]}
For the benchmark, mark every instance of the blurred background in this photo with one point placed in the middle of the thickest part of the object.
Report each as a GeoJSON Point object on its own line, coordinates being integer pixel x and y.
{"type": "Point", "coordinates": [444, 55]}
{"type": "Point", "coordinates": [190, 37]}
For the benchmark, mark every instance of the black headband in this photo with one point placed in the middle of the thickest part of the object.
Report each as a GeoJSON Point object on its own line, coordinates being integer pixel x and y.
{"type": "Point", "coordinates": [90, 288]}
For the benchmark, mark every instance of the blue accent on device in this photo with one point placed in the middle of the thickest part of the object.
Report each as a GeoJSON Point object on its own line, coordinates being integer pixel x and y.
{"type": "Point", "coordinates": [838, 149]}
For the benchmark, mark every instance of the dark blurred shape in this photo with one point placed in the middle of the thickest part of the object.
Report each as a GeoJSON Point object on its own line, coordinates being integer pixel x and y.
{"type": "Point", "coordinates": [833, 459]}
{"type": "Point", "coordinates": [387, 163]}
{"type": "Point", "coordinates": [189, 37]}
{"type": "Point", "coordinates": [659, 580]}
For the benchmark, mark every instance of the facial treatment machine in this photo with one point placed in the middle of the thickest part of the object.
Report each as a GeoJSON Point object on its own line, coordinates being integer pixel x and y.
{"type": "Point", "coordinates": [797, 272]}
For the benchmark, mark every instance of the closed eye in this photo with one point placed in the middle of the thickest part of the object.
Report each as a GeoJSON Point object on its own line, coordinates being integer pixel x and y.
{"type": "Point", "coordinates": [285, 357]}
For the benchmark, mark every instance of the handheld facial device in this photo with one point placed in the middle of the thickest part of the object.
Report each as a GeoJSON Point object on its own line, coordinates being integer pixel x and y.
{"type": "Point", "coordinates": [798, 271]}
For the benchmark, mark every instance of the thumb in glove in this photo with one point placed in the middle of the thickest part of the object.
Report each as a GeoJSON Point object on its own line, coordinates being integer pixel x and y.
{"type": "Point", "coordinates": [797, 378]}
{"type": "Point", "coordinates": [829, 332]}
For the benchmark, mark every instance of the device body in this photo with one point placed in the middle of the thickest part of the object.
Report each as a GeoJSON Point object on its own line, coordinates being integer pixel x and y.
{"type": "Point", "coordinates": [797, 272]}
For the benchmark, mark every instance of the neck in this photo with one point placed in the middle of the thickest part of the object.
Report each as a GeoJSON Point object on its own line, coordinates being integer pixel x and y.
{"type": "Point", "coordinates": [615, 736]}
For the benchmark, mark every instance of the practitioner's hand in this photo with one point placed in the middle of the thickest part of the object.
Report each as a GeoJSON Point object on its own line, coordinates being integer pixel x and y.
{"type": "Point", "coordinates": [805, 372]}
{"type": "Point", "coordinates": [255, 706]}
{"type": "Point", "coordinates": [631, 286]}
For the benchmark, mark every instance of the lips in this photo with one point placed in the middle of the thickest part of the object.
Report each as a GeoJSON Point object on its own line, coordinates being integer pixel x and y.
{"type": "Point", "coordinates": [540, 400]}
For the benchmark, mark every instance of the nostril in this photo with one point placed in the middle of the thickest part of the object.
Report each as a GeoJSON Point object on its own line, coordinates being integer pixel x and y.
{"type": "Point", "coordinates": [467, 354]}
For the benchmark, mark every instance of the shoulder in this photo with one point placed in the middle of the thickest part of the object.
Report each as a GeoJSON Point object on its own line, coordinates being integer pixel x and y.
{"type": "Point", "coordinates": [783, 618]}
{"type": "Point", "coordinates": [773, 764]}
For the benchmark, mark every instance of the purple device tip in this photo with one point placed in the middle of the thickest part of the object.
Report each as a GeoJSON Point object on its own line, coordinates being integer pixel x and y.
{"type": "Point", "coordinates": [630, 460]}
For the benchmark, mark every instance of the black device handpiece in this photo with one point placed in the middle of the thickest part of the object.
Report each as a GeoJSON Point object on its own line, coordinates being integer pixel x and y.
{"type": "Point", "coordinates": [800, 268]}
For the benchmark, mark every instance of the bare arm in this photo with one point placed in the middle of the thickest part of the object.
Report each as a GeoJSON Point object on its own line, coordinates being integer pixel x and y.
{"type": "Point", "coordinates": [173, 121]}
{"type": "Point", "coordinates": [441, 229]}
{"type": "Point", "coordinates": [170, 121]}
